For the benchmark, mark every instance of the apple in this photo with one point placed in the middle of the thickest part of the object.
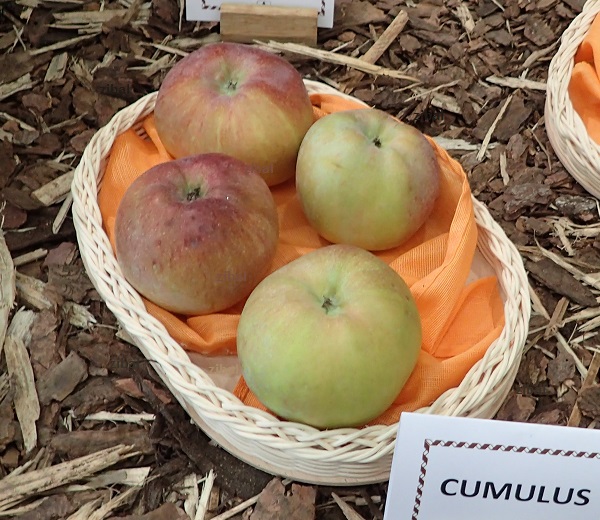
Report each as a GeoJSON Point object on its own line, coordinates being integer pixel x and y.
{"type": "Point", "coordinates": [196, 235]}
{"type": "Point", "coordinates": [366, 179]}
{"type": "Point", "coordinates": [239, 100]}
{"type": "Point", "coordinates": [329, 339]}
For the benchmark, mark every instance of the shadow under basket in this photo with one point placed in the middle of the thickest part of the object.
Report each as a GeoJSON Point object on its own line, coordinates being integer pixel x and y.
{"type": "Point", "coordinates": [577, 151]}
{"type": "Point", "coordinates": [334, 457]}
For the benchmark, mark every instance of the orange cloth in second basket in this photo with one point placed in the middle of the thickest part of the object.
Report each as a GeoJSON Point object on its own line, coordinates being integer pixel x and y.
{"type": "Point", "coordinates": [584, 86]}
{"type": "Point", "coordinates": [460, 320]}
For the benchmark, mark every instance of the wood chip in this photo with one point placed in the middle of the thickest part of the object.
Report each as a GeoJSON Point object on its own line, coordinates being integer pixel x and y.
{"type": "Point", "coordinates": [190, 490]}
{"type": "Point", "coordinates": [465, 17]}
{"type": "Point", "coordinates": [517, 83]}
{"type": "Point", "coordinates": [62, 213]}
{"type": "Point", "coordinates": [32, 256]}
{"type": "Point", "coordinates": [349, 513]}
{"type": "Point", "coordinates": [55, 190]}
{"type": "Point", "coordinates": [237, 509]}
{"type": "Point", "coordinates": [59, 381]}
{"type": "Point", "coordinates": [134, 477]}
{"type": "Point", "coordinates": [36, 293]}
{"type": "Point", "coordinates": [115, 503]}
{"type": "Point", "coordinates": [85, 511]}
{"type": "Point", "coordinates": [14, 490]}
{"type": "Point", "coordinates": [63, 44]}
{"type": "Point", "coordinates": [575, 417]}
{"type": "Point", "coordinates": [57, 67]}
{"type": "Point", "coordinates": [78, 315]}
{"type": "Point", "coordinates": [79, 443]}
{"type": "Point", "coordinates": [27, 406]}
{"type": "Point", "coordinates": [386, 39]}
{"type": "Point", "coordinates": [203, 501]}
{"type": "Point", "coordinates": [133, 418]}
{"type": "Point", "coordinates": [337, 59]}
{"type": "Point", "coordinates": [7, 288]}
{"type": "Point", "coordinates": [23, 83]}
{"type": "Point", "coordinates": [490, 132]}
{"type": "Point", "coordinates": [556, 320]}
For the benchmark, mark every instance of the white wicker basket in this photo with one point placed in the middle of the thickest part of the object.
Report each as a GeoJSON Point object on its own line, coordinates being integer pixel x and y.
{"type": "Point", "coordinates": [577, 151]}
{"type": "Point", "coordinates": [335, 457]}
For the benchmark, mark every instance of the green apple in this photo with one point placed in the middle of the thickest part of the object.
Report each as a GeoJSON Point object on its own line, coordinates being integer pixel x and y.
{"type": "Point", "coordinates": [329, 339]}
{"type": "Point", "coordinates": [366, 179]}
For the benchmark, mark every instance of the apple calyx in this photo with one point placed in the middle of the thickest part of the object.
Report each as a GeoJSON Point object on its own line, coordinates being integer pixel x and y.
{"type": "Point", "coordinates": [328, 304]}
{"type": "Point", "coordinates": [194, 194]}
{"type": "Point", "coordinates": [231, 86]}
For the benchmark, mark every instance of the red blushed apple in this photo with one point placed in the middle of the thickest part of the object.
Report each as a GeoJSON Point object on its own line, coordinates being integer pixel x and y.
{"type": "Point", "coordinates": [238, 100]}
{"type": "Point", "coordinates": [197, 234]}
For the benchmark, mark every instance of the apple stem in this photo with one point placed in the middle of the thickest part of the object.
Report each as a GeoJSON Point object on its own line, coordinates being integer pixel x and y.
{"type": "Point", "coordinates": [377, 142]}
{"type": "Point", "coordinates": [194, 194]}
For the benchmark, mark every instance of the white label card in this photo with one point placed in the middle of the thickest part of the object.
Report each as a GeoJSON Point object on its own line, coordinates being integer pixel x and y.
{"type": "Point", "coordinates": [455, 468]}
{"type": "Point", "coordinates": [209, 10]}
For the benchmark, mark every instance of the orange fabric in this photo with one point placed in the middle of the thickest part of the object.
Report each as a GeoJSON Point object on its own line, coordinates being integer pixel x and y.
{"type": "Point", "coordinates": [460, 321]}
{"type": "Point", "coordinates": [584, 86]}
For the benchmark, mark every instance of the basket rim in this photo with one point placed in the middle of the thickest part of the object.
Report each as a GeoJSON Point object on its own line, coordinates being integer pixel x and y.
{"type": "Point", "coordinates": [577, 151]}
{"type": "Point", "coordinates": [367, 445]}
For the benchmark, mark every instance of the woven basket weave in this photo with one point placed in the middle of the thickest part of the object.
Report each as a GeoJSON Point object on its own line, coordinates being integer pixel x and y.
{"type": "Point", "coordinates": [577, 151]}
{"type": "Point", "coordinates": [335, 457]}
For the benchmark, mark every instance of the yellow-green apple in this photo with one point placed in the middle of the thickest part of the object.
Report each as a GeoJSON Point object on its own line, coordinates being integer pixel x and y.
{"type": "Point", "coordinates": [330, 338]}
{"type": "Point", "coordinates": [238, 100]}
{"type": "Point", "coordinates": [366, 179]}
{"type": "Point", "coordinates": [196, 235]}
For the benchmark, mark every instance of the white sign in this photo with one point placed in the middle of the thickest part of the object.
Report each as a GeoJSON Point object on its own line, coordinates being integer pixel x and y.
{"type": "Point", "coordinates": [209, 10]}
{"type": "Point", "coordinates": [449, 468]}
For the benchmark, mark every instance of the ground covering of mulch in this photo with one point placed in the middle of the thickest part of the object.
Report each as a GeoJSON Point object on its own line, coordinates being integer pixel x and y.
{"type": "Point", "coordinates": [469, 73]}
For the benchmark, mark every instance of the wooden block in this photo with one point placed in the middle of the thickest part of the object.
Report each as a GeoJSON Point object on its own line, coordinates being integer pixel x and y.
{"type": "Point", "coordinates": [246, 23]}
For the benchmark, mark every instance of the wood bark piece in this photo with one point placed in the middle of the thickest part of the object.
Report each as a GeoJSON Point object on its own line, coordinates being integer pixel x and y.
{"type": "Point", "coordinates": [14, 490]}
{"type": "Point", "coordinates": [246, 23]}
{"type": "Point", "coordinates": [27, 406]}
{"type": "Point", "coordinates": [275, 503]}
{"type": "Point", "coordinates": [168, 511]}
{"type": "Point", "coordinates": [561, 281]}
{"type": "Point", "coordinates": [7, 288]}
{"type": "Point", "coordinates": [59, 381]}
{"type": "Point", "coordinates": [80, 443]}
